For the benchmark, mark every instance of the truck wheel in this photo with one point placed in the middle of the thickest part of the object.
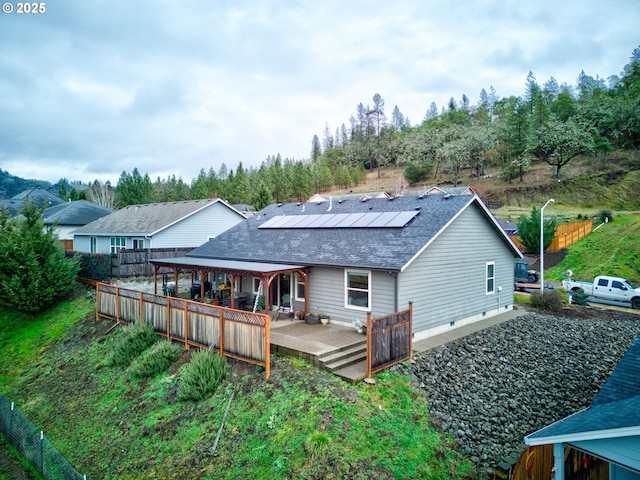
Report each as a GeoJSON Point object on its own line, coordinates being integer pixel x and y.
{"type": "Point", "coordinates": [635, 303]}
{"type": "Point", "coordinates": [531, 279]}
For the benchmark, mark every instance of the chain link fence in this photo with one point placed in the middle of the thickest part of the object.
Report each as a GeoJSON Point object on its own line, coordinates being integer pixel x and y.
{"type": "Point", "coordinates": [33, 445]}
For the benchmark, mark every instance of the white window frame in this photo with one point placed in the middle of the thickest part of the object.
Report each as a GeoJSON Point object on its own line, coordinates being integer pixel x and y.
{"type": "Point", "coordinates": [138, 243]}
{"type": "Point", "coordinates": [490, 278]}
{"type": "Point", "coordinates": [94, 244]}
{"type": "Point", "coordinates": [298, 281]}
{"type": "Point", "coordinates": [347, 290]}
{"type": "Point", "coordinates": [256, 285]}
{"type": "Point", "coordinates": [115, 246]}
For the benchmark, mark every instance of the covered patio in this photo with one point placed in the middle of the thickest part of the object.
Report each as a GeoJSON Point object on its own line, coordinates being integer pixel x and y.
{"type": "Point", "coordinates": [238, 272]}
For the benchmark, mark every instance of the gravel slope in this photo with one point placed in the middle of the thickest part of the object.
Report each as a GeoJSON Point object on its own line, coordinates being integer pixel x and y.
{"type": "Point", "coordinates": [490, 389]}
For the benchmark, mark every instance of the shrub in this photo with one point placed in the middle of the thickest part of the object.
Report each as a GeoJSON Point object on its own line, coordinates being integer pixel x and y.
{"type": "Point", "coordinates": [605, 216]}
{"type": "Point", "coordinates": [564, 297]}
{"type": "Point", "coordinates": [155, 360]}
{"type": "Point", "coordinates": [549, 300]}
{"type": "Point", "coordinates": [202, 375]}
{"type": "Point", "coordinates": [579, 297]}
{"type": "Point", "coordinates": [133, 340]}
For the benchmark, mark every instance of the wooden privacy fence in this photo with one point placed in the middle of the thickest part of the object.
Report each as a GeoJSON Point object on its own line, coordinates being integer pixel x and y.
{"type": "Point", "coordinates": [388, 340]}
{"type": "Point", "coordinates": [233, 333]}
{"type": "Point", "coordinates": [566, 234]}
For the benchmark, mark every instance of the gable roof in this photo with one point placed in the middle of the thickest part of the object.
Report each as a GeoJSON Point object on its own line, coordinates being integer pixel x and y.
{"type": "Point", "coordinates": [610, 426]}
{"type": "Point", "coordinates": [39, 196]}
{"type": "Point", "coordinates": [147, 219]}
{"type": "Point", "coordinates": [319, 197]}
{"type": "Point", "coordinates": [80, 212]}
{"type": "Point", "coordinates": [451, 190]}
{"type": "Point", "coordinates": [335, 240]}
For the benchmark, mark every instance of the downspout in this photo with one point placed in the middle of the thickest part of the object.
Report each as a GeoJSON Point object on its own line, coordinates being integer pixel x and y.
{"type": "Point", "coordinates": [396, 291]}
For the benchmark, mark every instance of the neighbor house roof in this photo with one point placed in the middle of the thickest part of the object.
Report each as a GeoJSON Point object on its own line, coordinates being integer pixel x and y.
{"type": "Point", "coordinates": [147, 219]}
{"type": "Point", "coordinates": [325, 233]}
{"type": "Point", "coordinates": [451, 190]}
{"type": "Point", "coordinates": [610, 427]}
{"type": "Point", "coordinates": [39, 196]}
{"type": "Point", "coordinates": [320, 197]}
{"type": "Point", "coordinates": [79, 212]}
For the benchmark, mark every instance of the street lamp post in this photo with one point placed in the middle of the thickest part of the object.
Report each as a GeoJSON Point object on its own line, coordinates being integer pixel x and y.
{"type": "Point", "coordinates": [542, 244]}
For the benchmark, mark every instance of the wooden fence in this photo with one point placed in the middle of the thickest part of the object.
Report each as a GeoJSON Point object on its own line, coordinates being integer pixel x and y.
{"type": "Point", "coordinates": [388, 340]}
{"type": "Point", "coordinates": [566, 234]}
{"type": "Point", "coordinates": [234, 333]}
{"type": "Point", "coordinates": [135, 262]}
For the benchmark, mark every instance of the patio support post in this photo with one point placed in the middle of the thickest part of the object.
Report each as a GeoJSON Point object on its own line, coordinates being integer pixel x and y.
{"type": "Point", "coordinates": [305, 275]}
{"type": "Point", "coordinates": [155, 279]}
{"type": "Point", "coordinates": [232, 294]}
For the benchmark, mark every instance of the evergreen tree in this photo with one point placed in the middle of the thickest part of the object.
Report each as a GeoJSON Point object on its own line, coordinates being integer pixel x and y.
{"type": "Point", "coordinates": [34, 273]}
{"type": "Point", "coordinates": [529, 231]}
{"type": "Point", "coordinates": [316, 150]}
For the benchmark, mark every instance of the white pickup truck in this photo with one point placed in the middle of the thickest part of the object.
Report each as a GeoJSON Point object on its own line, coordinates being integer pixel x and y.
{"type": "Point", "coordinates": [613, 289]}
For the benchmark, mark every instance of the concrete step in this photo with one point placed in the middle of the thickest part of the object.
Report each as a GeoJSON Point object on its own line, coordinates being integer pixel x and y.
{"type": "Point", "coordinates": [354, 373]}
{"type": "Point", "coordinates": [344, 357]}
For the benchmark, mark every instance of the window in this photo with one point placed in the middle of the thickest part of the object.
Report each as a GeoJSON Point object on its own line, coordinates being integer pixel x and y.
{"type": "Point", "coordinates": [603, 282]}
{"type": "Point", "coordinates": [617, 284]}
{"type": "Point", "coordinates": [117, 243]}
{"type": "Point", "coordinates": [358, 290]}
{"type": "Point", "coordinates": [491, 277]}
{"type": "Point", "coordinates": [256, 285]}
{"type": "Point", "coordinates": [138, 243]}
{"type": "Point", "coordinates": [299, 287]}
{"type": "Point", "coordinates": [94, 245]}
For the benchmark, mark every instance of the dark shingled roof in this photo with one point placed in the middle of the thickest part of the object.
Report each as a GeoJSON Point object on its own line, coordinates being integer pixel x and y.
{"type": "Point", "coordinates": [616, 406]}
{"type": "Point", "coordinates": [79, 212]}
{"type": "Point", "coordinates": [385, 248]}
{"type": "Point", "coordinates": [39, 196]}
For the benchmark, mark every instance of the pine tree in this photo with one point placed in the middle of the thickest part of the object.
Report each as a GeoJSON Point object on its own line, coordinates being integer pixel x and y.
{"type": "Point", "coordinates": [34, 273]}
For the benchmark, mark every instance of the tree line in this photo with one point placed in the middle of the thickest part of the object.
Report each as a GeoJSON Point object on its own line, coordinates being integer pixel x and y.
{"type": "Point", "coordinates": [549, 123]}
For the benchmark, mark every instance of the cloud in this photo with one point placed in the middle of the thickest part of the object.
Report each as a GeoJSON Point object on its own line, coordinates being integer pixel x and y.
{"type": "Point", "coordinates": [91, 89]}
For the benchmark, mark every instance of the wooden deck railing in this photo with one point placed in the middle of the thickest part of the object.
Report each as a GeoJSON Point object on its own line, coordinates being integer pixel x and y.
{"type": "Point", "coordinates": [388, 340]}
{"type": "Point", "coordinates": [233, 333]}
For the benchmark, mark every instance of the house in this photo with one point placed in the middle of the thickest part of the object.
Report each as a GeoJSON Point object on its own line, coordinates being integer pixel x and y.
{"type": "Point", "coordinates": [37, 195]}
{"type": "Point", "coordinates": [509, 227]}
{"type": "Point", "coordinates": [158, 225]}
{"type": "Point", "coordinates": [446, 254]}
{"type": "Point", "coordinates": [609, 429]}
{"type": "Point", "coordinates": [68, 216]}
{"type": "Point", "coordinates": [318, 197]}
{"type": "Point", "coordinates": [451, 190]}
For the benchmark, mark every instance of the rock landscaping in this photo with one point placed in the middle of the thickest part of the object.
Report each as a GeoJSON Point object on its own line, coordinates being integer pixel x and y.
{"type": "Point", "coordinates": [490, 389]}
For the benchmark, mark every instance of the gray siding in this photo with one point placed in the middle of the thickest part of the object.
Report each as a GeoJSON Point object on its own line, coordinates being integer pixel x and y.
{"type": "Point", "coordinates": [196, 229]}
{"type": "Point", "coordinates": [326, 294]}
{"type": "Point", "coordinates": [447, 282]}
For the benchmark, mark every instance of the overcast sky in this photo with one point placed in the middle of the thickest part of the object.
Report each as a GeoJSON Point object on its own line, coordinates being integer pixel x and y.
{"type": "Point", "coordinates": [89, 89]}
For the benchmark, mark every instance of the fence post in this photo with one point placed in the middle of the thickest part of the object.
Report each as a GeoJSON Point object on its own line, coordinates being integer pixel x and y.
{"type": "Point", "coordinates": [411, 330]}
{"type": "Point", "coordinates": [42, 452]}
{"type": "Point", "coordinates": [369, 342]}
{"type": "Point", "coordinates": [186, 326]}
{"type": "Point", "coordinates": [10, 421]}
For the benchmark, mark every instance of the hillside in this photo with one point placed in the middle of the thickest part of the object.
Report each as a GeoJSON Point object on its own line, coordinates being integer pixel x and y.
{"type": "Point", "coordinates": [587, 185]}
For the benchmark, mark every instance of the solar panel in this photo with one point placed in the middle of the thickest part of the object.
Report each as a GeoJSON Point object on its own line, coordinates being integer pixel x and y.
{"type": "Point", "coordinates": [401, 219]}
{"type": "Point", "coordinates": [382, 219]}
{"type": "Point", "coordinates": [350, 220]}
{"type": "Point", "coordinates": [342, 220]}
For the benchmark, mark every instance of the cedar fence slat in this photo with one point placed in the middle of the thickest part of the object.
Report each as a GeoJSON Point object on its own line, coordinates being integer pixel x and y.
{"type": "Point", "coordinates": [388, 340]}
{"type": "Point", "coordinates": [234, 333]}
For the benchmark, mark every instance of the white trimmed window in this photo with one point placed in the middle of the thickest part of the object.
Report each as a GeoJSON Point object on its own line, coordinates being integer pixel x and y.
{"type": "Point", "coordinates": [491, 278]}
{"type": "Point", "coordinates": [94, 244]}
{"type": "Point", "coordinates": [357, 289]}
{"type": "Point", "coordinates": [138, 243]}
{"type": "Point", "coordinates": [299, 287]}
{"type": "Point", "coordinates": [117, 243]}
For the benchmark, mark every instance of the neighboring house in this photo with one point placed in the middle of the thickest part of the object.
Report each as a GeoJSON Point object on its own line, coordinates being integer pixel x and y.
{"type": "Point", "coordinates": [318, 197]}
{"type": "Point", "coordinates": [451, 191]}
{"type": "Point", "coordinates": [158, 225]}
{"type": "Point", "coordinates": [39, 196]}
{"type": "Point", "coordinates": [446, 254]}
{"type": "Point", "coordinates": [68, 216]}
{"type": "Point", "coordinates": [608, 429]}
{"type": "Point", "coordinates": [509, 227]}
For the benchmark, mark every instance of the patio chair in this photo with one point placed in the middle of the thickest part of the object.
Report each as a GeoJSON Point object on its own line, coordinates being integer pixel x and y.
{"type": "Point", "coordinates": [285, 306]}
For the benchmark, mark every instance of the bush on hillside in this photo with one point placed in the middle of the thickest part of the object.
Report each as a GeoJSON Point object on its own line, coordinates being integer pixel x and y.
{"type": "Point", "coordinates": [605, 216]}
{"type": "Point", "coordinates": [202, 375]}
{"type": "Point", "coordinates": [155, 360]}
{"type": "Point", "coordinates": [131, 342]}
